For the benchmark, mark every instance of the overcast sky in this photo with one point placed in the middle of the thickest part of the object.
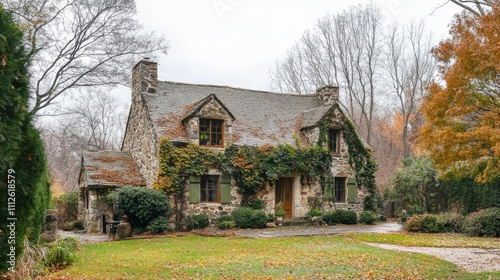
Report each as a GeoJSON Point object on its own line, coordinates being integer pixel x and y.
{"type": "Point", "coordinates": [236, 42]}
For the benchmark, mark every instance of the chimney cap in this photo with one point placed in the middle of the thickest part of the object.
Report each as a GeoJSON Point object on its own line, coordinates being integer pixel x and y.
{"type": "Point", "coordinates": [326, 87]}
{"type": "Point", "coordinates": [145, 60]}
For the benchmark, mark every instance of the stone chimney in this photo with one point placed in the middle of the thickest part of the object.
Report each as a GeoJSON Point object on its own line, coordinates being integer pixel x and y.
{"type": "Point", "coordinates": [144, 77]}
{"type": "Point", "coordinates": [328, 94]}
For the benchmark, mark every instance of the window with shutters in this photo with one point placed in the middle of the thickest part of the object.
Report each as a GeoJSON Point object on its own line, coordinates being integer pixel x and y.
{"type": "Point", "coordinates": [335, 188]}
{"type": "Point", "coordinates": [340, 189]}
{"type": "Point", "coordinates": [211, 133]}
{"type": "Point", "coordinates": [334, 140]}
{"type": "Point", "coordinates": [209, 188]}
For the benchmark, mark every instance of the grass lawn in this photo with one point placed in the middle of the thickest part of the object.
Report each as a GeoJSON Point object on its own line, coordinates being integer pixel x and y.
{"type": "Point", "coordinates": [197, 257]}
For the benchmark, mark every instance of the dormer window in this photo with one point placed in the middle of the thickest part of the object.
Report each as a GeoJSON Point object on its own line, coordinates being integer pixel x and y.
{"type": "Point", "coordinates": [334, 141]}
{"type": "Point", "coordinates": [211, 132]}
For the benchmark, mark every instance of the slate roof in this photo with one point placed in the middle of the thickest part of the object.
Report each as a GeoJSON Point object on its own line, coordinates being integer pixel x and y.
{"type": "Point", "coordinates": [260, 117]}
{"type": "Point", "coordinates": [111, 168]}
{"type": "Point", "coordinates": [312, 117]}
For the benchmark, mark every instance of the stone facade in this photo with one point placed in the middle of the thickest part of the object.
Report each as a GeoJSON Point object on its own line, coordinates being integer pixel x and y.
{"type": "Point", "coordinates": [174, 110]}
{"type": "Point", "coordinates": [91, 209]}
{"type": "Point", "coordinates": [301, 191]}
{"type": "Point", "coordinates": [212, 109]}
{"type": "Point", "coordinates": [340, 162]}
{"type": "Point", "coordinates": [141, 139]}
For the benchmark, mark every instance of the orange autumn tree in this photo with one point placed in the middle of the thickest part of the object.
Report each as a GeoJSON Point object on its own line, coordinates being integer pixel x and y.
{"type": "Point", "coordinates": [463, 110]}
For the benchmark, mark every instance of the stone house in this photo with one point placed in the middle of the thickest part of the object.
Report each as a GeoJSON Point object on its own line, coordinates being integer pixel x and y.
{"type": "Point", "coordinates": [215, 117]}
{"type": "Point", "coordinates": [102, 172]}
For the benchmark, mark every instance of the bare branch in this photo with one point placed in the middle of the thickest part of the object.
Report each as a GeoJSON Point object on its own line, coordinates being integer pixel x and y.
{"type": "Point", "coordinates": [80, 43]}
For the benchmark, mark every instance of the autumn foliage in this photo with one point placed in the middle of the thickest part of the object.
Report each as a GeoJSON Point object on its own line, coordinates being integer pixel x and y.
{"type": "Point", "coordinates": [463, 110]}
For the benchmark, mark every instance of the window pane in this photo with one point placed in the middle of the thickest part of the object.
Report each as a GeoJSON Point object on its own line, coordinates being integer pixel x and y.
{"type": "Point", "coordinates": [340, 189]}
{"type": "Point", "coordinates": [204, 125]}
{"type": "Point", "coordinates": [211, 132]}
{"type": "Point", "coordinates": [333, 136]}
{"type": "Point", "coordinates": [216, 139]}
{"type": "Point", "coordinates": [209, 189]}
{"type": "Point", "coordinates": [216, 126]}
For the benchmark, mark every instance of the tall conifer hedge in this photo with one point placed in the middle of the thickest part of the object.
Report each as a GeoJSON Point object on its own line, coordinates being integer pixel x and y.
{"type": "Point", "coordinates": [21, 149]}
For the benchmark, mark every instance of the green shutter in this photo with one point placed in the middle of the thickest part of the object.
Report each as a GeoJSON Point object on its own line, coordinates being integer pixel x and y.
{"type": "Point", "coordinates": [225, 189]}
{"type": "Point", "coordinates": [329, 187]}
{"type": "Point", "coordinates": [194, 189]}
{"type": "Point", "coordinates": [351, 190]}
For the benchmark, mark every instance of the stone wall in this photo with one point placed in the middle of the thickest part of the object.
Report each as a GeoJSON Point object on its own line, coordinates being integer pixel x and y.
{"type": "Point", "coordinates": [91, 214]}
{"type": "Point", "coordinates": [140, 138]}
{"type": "Point", "coordinates": [340, 162]}
{"type": "Point", "coordinates": [213, 210]}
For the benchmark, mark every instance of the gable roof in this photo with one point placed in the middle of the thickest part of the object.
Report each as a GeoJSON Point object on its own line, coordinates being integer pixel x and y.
{"type": "Point", "coordinates": [260, 117]}
{"type": "Point", "coordinates": [110, 168]}
{"type": "Point", "coordinates": [202, 103]}
{"type": "Point", "coordinates": [314, 116]}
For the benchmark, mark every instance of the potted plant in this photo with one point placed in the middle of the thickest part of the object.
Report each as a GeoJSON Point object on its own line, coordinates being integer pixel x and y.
{"type": "Point", "coordinates": [279, 212]}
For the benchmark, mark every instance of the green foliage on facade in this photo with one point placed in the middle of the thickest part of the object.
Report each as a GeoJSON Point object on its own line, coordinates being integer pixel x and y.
{"type": "Point", "coordinates": [250, 166]}
{"type": "Point", "coordinates": [360, 157]}
{"type": "Point", "coordinates": [21, 149]}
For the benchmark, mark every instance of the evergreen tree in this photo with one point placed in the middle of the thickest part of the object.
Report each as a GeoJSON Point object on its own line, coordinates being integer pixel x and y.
{"type": "Point", "coordinates": [23, 167]}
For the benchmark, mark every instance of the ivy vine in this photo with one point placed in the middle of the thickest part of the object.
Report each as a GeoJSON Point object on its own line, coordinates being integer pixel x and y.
{"type": "Point", "coordinates": [359, 157]}
{"type": "Point", "coordinates": [251, 166]}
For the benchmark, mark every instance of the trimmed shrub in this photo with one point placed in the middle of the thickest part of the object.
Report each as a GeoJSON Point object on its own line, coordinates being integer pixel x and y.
{"type": "Point", "coordinates": [62, 253]}
{"type": "Point", "coordinates": [257, 204]}
{"type": "Point", "coordinates": [314, 213]}
{"type": "Point", "coordinates": [142, 205]}
{"type": "Point", "coordinates": [78, 225]}
{"type": "Point", "coordinates": [427, 223]}
{"type": "Point", "coordinates": [270, 218]}
{"type": "Point", "coordinates": [367, 217]}
{"type": "Point", "coordinates": [329, 218]}
{"type": "Point", "coordinates": [347, 217]}
{"type": "Point", "coordinates": [249, 218]}
{"type": "Point", "coordinates": [197, 221]}
{"type": "Point", "coordinates": [225, 222]}
{"type": "Point", "coordinates": [483, 223]}
{"type": "Point", "coordinates": [452, 222]}
{"type": "Point", "coordinates": [159, 225]}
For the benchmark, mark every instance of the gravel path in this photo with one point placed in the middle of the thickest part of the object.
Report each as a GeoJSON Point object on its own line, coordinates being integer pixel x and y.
{"type": "Point", "coordinates": [470, 259]}
{"type": "Point", "coordinates": [318, 230]}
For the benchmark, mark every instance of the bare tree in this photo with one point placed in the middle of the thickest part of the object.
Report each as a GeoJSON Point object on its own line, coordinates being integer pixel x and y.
{"type": "Point", "coordinates": [76, 44]}
{"type": "Point", "coordinates": [411, 67]}
{"type": "Point", "coordinates": [94, 120]}
{"type": "Point", "coordinates": [342, 49]}
{"type": "Point", "coordinates": [477, 7]}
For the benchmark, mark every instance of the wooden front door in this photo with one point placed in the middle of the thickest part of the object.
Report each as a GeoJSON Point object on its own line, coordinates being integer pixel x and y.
{"type": "Point", "coordinates": [284, 193]}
